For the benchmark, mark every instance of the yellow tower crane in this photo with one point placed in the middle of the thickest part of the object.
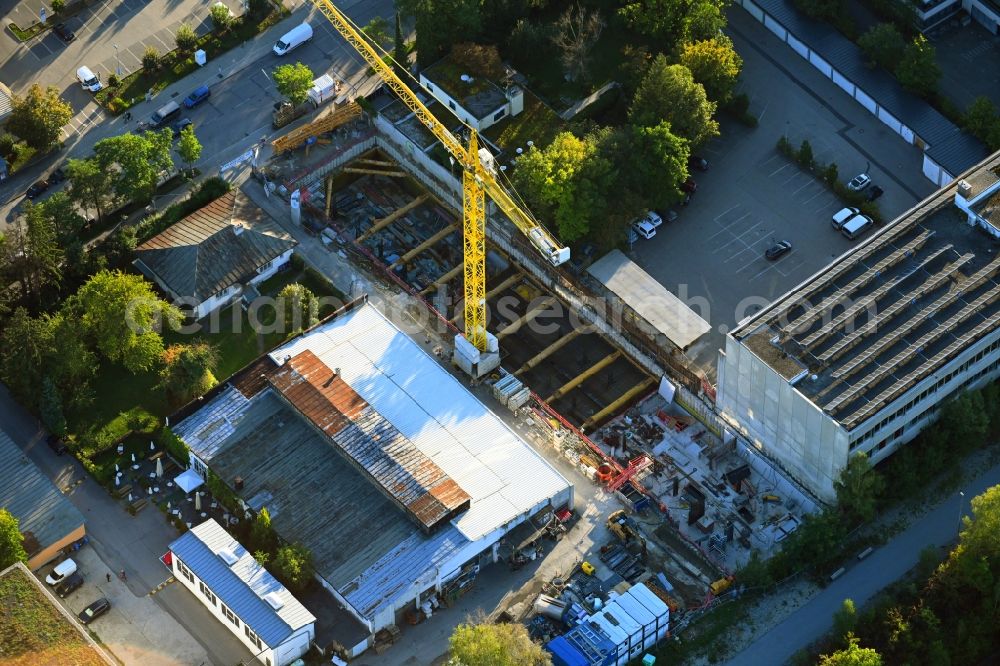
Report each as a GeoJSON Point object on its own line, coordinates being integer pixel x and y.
{"type": "Point", "coordinates": [477, 181]}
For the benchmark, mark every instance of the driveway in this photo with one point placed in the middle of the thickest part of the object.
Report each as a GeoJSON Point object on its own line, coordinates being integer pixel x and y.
{"type": "Point", "coordinates": [938, 527]}
{"type": "Point", "coordinates": [169, 627]}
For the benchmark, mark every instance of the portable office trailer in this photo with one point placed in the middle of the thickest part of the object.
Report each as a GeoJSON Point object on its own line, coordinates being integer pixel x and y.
{"type": "Point", "coordinates": [617, 636]}
{"type": "Point", "coordinates": [620, 617]}
{"type": "Point", "coordinates": [647, 621]}
{"type": "Point", "coordinates": [654, 605]}
{"type": "Point", "coordinates": [584, 645]}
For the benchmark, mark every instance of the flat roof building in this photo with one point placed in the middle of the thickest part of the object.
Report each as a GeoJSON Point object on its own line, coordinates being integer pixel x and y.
{"type": "Point", "coordinates": [49, 522]}
{"type": "Point", "coordinates": [367, 451]}
{"type": "Point", "coordinates": [861, 356]}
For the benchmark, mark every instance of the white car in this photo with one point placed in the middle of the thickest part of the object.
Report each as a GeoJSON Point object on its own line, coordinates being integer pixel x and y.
{"type": "Point", "coordinates": [859, 182]}
{"type": "Point", "coordinates": [654, 219]}
{"type": "Point", "coordinates": [645, 228]}
{"type": "Point", "coordinates": [63, 570]}
{"type": "Point", "coordinates": [842, 216]}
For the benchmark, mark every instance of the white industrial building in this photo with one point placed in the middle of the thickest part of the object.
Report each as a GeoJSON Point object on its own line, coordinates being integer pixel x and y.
{"type": "Point", "coordinates": [241, 594]}
{"type": "Point", "coordinates": [947, 150]}
{"type": "Point", "coordinates": [477, 101]}
{"type": "Point", "coordinates": [367, 451]}
{"type": "Point", "coordinates": [861, 356]}
{"type": "Point", "coordinates": [931, 13]}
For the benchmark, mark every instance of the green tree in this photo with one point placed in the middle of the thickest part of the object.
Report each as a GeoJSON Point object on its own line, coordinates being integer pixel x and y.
{"type": "Point", "coordinates": [479, 643]}
{"type": "Point", "coordinates": [704, 20]}
{"type": "Point", "coordinates": [669, 92]}
{"type": "Point", "coordinates": [662, 20]}
{"type": "Point", "coordinates": [826, 10]}
{"type": "Point", "coordinates": [576, 32]}
{"type": "Point", "coordinates": [377, 30]}
{"type": "Point", "coordinates": [25, 342]}
{"type": "Point", "coordinates": [400, 57]}
{"type": "Point", "coordinates": [39, 116]}
{"type": "Point", "coordinates": [918, 71]}
{"type": "Point", "coordinates": [652, 158]}
{"type": "Point", "coordinates": [858, 488]}
{"type": "Point", "coordinates": [852, 655]}
{"type": "Point", "coordinates": [188, 371]}
{"type": "Point", "coordinates": [714, 64]}
{"type": "Point", "coordinates": [137, 162]}
{"type": "Point", "coordinates": [122, 315]}
{"type": "Point", "coordinates": [188, 147]}
{"type": "Point", "coordinates": [294, 81]}
{"type": "Point", "coordinates": [964, 423]}
{"type": "Point", "coordinates": [57, 6]}
{"type": "Point", "coordinates": [845, 620]}
{"type": "Point", "coordinates": [11, 540]}
{"type": "Point", "coordinates": [805, 155]}
{"type": "Point", "coordinates": [222, 18]}
{"type": "Point", "coordinates": [293, 566]}
{"type": "Point", "coordinates": [151, 59]}
{"type": "Point", "coordinates": [33, 254]}
{"type": "Point", "coordinates": [90, 185]}
{"type": "Point", "coordinates": [548, 178]}
{"type": "Point", "coordinates": [441, 23]}
{"type": "Point", "coordinates": [299, 308]}
{"type": "Point", "coordinates": [186, 38]}
{"type": "Point", "coordinates": [262, 535]}
{"type": "Point", "coordinates": [51, 409]}
{"type": "Point", "coordinates": [884, 45]}
{"type": "Point", "coordinates": [69, 361]}
{"type": "Point", "coordinates": [61, 212]}
{"type": "Point", "coordinates": [982, 121]}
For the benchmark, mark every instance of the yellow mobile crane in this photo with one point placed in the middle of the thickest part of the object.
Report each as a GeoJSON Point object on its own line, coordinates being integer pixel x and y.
{"type": "Point", "coordinates": [477, 181]}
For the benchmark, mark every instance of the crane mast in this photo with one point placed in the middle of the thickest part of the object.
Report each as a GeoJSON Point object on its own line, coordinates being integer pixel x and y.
{"type": "Point", "coordinates": [477, 182]}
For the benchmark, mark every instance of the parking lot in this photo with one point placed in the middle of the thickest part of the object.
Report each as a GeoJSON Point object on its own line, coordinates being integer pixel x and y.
{"type": "Point", "coordinates": [712, 258]}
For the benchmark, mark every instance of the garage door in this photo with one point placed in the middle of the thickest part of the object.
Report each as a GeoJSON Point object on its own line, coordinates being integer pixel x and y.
{"type": "Point", "coordinates": [889, 120]}
{"type": "Point", "coordinates": [843, 82]}
{"type": "Point", "coordinates": [820, 64]}
{"type": "Point", "coordinates": [775, 27]}
{"type": "Point", "coordinates": [931, 170]}
{"type": "Point", "coordinates": [798, 46]}
{"type": "Point", "coordinates": [865, 100]}
{"type": "Point", "coordinates": [906, 133]}
{"type": "Point", "coordinates": [754, 10]}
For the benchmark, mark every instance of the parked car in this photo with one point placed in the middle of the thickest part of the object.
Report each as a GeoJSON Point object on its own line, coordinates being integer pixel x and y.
{"type": "Point", "coordinates": [859, 182]}
{"type": "Point", "coordinates": [644, 228]}
{"type": "Point", "coordinates": [654, 219]}
{"type": "Point", "coordinates": [62, 571]}
{"type": "Point", "coordinates": [56, 177]}
{"type": "Point", "coordinates": [689, 186]}
{"type": "Point", "coordinates": [874, 193]}
{"type": "Point", "coordinates": [94, 610]}
{"type": "Point", "coordinates": [778, 250]}
{"type": "Point", "coordinates": [57, 444]}
{"type": "Point", "coordinates": [199, 95]}
{"type": "Point", "coordinates": [670, 215]}
{"type": "Point", "coordinates": [36, 189]}
{"type": "Point", "coordinates": [179, 126]}
{"type": "Point", "coordinates": [64, 33]}
{"type": "Point", "coordinates": [843, 215]}
{"type": "Point", "coordinates": [68, 586]}
{"type": "Point", "coordinates": [697, 162]}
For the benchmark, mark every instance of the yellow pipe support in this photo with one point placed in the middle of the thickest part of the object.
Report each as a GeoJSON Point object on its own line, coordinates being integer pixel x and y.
{"type": "Point", "coordinates": [329, 195]}
{"type": "Point", "coordinates": [515, 326]}
{"type": "Point", "coordinates": [423, 246]}
{"type": "Point", "coordinates": [392, 217]}
{"type": "Point", "coordinates": [614, 406]}
{"type": "Point", "coordinates": [494, 291]}
{"type": "Point", "coordinates": [585, 375]}
{"type": "Point", "coordinates": [444, 279]}
{"type": "Point", "coordinates": [376, 172]}
{"type": "Point", "coordinates": [548, 351]}
{"type": "Point", "coordinates": [325, 123]}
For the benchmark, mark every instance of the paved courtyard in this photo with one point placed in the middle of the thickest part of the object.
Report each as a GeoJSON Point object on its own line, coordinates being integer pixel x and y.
{"type": "Point", "coordinates": [969, 57]}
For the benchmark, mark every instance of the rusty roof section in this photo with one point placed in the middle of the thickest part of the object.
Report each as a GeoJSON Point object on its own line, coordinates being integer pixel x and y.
{"type": "Point", "coordinates": [369, 441]}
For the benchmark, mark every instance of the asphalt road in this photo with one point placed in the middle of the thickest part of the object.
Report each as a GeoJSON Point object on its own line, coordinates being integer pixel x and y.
{"type": "Point", "coordinates": [938, 527]}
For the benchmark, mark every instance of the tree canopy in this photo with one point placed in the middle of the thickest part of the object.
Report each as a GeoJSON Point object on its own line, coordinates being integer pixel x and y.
{"type": "Point", "coordinates": [298, 307]}
{"type": "Point", "coordinates": [137, 162]}
{"type": "Point", "coordinates": [714, 64]}
{"type": "Point", "coordinates": [292, 565]}
{"type": "Point", "coordinates": [852, 655]}
{"type": "Point", "coordinates": [189, 147]}
{"type": "Point", "coordinates": [918, 70]}
{"type": "Point", "coordinates": [884, 45]}
{"type": "Point", "coordinates": [11, 540]}
{"type": "Point", "coordinates": [39, 116]}
{"type": "Point", "coordinates": [91, 186]}
{"type": "Point", "coordinates": [122, 315]}
{"type": "Point", "coordinates": [294, 81]}
{"type": "Point", "coordinates": [441, 23]}
{"type": "Point", "coordinates": [858, 489]}
{"type": "Point", "coordinates": [669, 92]}
{"type": "Point", "coordinates": [188, 370]}
{"type": "Point", "coordinates": [483, 644]}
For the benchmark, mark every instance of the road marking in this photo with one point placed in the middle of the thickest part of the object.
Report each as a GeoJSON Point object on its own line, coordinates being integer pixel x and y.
{"type": "Point", "coordinates": [807, 184]}
{"type": "Point", "coordinates": [777, 171]}
{"type": "Point", "coordinates": [818, 194]}
{"type": "Point", "coordinates": [161, 586]}
{"type": "Point", "coordinates": [716, 219]}
{"type": "Point", "coordinates": [790, 270]}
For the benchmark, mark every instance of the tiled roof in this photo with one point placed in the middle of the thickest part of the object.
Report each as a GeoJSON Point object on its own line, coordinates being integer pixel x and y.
{"type": "Point", "coordinates": [44, 513]}
{"type": "Point", "coordinates": [215, 247]}
{"type": "Point", "coordinates": [242, 586]}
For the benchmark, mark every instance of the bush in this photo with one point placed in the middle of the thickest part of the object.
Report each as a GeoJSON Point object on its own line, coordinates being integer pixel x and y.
{"type": "Point", "coordinates": [831, 173]}
{"type": "Point", "coordinates": [173, 445]}
{"type": "Point", "coordinates": [8, 147]}
{"type": "Point", "coordinates": [57, 6]}
{"type": "Point", "coordinates": [259, 8]}
{"type": "Point", "coordinates": [151, 59]}
{"type": "Point", "coordinates": [298, 263]}
{"type": "Point", "coordinates": [222, 18]}
{"type": "Point", "coordinates": [113, 81]}
{"type": "Point", "coordinates": [785, 147]}
{"type": "Point", "coordinates": [805, 155]}
{"type": "Point", "coordinates": [738, 104]}
{"type": "Point", "coordinates": [186, 38]}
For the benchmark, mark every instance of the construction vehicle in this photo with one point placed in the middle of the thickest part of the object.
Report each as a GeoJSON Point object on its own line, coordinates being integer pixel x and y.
{"type": "Point", "coordinates": [721, 585]}
{"type": "Point", "coordinates": [477, 351]}
{"type": "Point", "coordinates": [625, 529]}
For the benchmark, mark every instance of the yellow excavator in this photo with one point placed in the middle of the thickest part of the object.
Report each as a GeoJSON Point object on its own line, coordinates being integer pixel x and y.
{"type": "Point", "coordinates": [622, 527]}
{"type": "Point", "coordinates": [477, 351]}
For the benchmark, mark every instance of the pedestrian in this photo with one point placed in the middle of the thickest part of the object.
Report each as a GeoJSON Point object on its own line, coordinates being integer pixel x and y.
{"type": "Point", "coordinates": [123, 576]}
{"type": "Point", "coordinates": [128, 116]}
{"type": "Point", "coordinates": [108, 575]}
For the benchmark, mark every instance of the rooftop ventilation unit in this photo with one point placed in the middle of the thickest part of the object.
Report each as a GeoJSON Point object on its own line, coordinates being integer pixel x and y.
{"type": "Point", "coordinates": [273, 600]}
{"type": "Point", "coordinates": [228, 556]}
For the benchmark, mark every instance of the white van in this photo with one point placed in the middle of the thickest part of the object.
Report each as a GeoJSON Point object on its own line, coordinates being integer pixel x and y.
{"type": "Point", "coordinates": [297, 36]}
{"type": "Point", "coordinates": [88, 79]}
{"type": "Point", "coordinates": [843, 215]}
{"type": "Point", "coordinates": [856, 226]}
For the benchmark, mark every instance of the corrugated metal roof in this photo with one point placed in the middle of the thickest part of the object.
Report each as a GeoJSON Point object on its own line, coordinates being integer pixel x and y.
{"type": "Point", "coordinates": [243, 585]}
{"type": "Point", "coordinates": [215, 247]}
{"type": "Point", "coordinates": [844, 56]}
{"type": "Point", "coordinates": [955, 153]}
{"type": "Point", "coordinates": [372, 443]}
{"type": "Point", "coordinates": [6, 102]}
{"type": "Point", "coordinates": [44, 513]}
{"type": "Point", "coordinates": [207, 430]}
{"type": "Point", "coordinates": [500, 471]}
{"type": "Point", "coordinates": [654, 303]}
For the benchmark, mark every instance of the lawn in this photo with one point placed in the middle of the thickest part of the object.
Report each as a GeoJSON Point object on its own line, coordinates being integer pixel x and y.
{"type": "Point", "coordinates": [33, 631]}
{"type": "Point", "coordinates": [537, 123]}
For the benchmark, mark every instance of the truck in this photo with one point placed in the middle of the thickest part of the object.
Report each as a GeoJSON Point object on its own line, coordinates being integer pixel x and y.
{"type": "Point", "coordinates": [322, 91]}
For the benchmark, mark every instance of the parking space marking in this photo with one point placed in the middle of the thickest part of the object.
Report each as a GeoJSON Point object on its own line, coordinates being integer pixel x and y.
{"type": "Point", "coordinates": [804, 186]}
{"type": "Point", "coordinates": [818, 194]}
{"type": "Point", "coordinates": [727, 212]}
{"type": "Point", "coordinates": [777, 171]}
{"type": "Point", "coordinates": [790, 270]}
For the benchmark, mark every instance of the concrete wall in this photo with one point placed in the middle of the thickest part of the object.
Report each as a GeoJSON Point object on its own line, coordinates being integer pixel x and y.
{"type": "Point", "coordinates": [54, 550]}
{"type": "Point", "coordinates": [779, 421]}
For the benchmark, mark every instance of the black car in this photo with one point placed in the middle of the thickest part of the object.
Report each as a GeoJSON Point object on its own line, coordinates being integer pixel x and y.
{"type": "Point", "coordinates": [37, 189]}
{"type": "Point", "coordinates": [777, 250]}
{"type": "Point", "coordinates": [94, 610]}
{"type": "Point", "coordinates": [64, 33]}
{"type": "Point", "coordinates": [56, 177]}
{"type": "Point", "coordinates": [690, 186]}
{"type": "Point", "coordinates": [179, 126]}
{"type": "Point", "coordinates": [68, 586]}
{"type": "Point", "coordinates": [57, 444]}
{"type": "Point", "coordinates": [874, 193]}
{"type": "Point", "coordinates": [698, 162]}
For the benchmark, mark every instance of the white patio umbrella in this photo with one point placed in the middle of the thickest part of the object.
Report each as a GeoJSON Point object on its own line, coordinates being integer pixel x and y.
{"type": "Point", "coordinates": [130, 497]}
{"type": "Point", "coordinates": [168, 507]}
{"type": "Point", "coordinates": [197, 501]}
{"type": "Point", "coordinates": [149, 491]}
{"type": "Point", "coordinates": [159, 467]}
{"type": "Point", "coordinates": [116, 467]}
{"type": "Point", "coordinates": [133, 458]}
{"type": "Point", "coordinates": [151, 447]}
{"type": "Point", "coordinates": [118, 480]}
